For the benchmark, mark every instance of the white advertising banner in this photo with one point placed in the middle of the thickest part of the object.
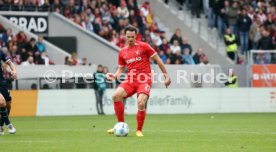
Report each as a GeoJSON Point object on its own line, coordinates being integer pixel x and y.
{"type": "Point", "coordinates": [162, 101]}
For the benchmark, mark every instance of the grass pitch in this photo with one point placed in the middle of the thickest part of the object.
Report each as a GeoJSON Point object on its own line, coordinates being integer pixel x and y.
{"type": "Point", "coordinates": [168, 133]}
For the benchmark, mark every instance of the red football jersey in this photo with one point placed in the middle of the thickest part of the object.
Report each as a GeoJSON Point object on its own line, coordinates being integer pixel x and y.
{"type": "Point", "coordinates": [137, 60]}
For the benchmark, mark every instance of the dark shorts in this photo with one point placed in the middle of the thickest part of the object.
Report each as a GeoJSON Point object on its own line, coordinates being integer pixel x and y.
{"type": "Point", "coordinates": [5, 93]}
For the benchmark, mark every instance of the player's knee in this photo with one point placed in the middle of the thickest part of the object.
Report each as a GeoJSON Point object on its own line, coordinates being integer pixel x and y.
{"type": "Point", "coordinates": [3, 103]}
{"type": "Point", "coordinates": [116, 97]}
{"type": "Point", "coordinates": [141, 105]}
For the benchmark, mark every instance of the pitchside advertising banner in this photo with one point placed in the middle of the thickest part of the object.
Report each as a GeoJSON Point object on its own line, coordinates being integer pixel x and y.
{"type": "Point", "coordinates": [264, 75]}
{"type": "Point", "coordinates": [162, 101]}
{"type": "Point", "coordinates": [34, 23]}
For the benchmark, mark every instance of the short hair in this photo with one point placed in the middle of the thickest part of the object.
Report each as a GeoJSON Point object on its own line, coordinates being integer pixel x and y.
{"type": "Point", "coordinates": [131, 29]}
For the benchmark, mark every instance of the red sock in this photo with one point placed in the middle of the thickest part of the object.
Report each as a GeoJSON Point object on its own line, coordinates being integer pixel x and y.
{"type": "Point", "coordinates": [119, 111]}
{"type": "Point", "coordinates": [140, 117]}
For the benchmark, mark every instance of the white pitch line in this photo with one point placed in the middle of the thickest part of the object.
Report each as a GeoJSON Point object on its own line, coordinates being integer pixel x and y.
{"type": "Point", "coordinates": [227, 132]}
{"type": "Point", "coordinates": [28, 141]}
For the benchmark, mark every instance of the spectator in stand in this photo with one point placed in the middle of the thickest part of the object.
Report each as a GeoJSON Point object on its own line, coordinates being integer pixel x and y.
{"type": "Point", "coordinates": [145, 9]}
{"type": "Point", "coordinates": [261, 15]}
{"type": "Point", "coordinates": [196, 8]}
{"type": "Point", "coordinates": [97, 25]}
{"type": "Point", "coordinates": [170, 56]}
{"type": "Point", "coordinates": [31, 6]}
{"type": "Point", "coordinates": [185, 45]}
{"type": "Point", "coordinates": [206, 7]}
{"type": "Point", "coordinates": [29, 62]}
{"type": "Point", "coordinates": [78, 21]}
{"type": "Point", "coordinates": [205, 61]}
{"type": "Point", "coordinates": [220, 15]}
{"type": "Point", "coordinates": [231, 45]}
{"type": "Point", "coordinates": [232, 17]}
{"type": "Point", "coordinates": [211, 14]}
{"type": "Point", "coordinates": [18, 6]}
{"type": "Point", "coordinates": [254, 32]}
{"type": "Point", "coordinates": [199, 56]}
{"type": "Point", "coordinates": [43, 59]}
{"type": "Point", "coordinates": [32, 49]}
{"type": "Point", "coordinates": [177, 58]}
{"type": "Point", "coordinates": [14, 55]}
{"type": "Point", "coordinates": [7, 36]}
{"type": "Point", "coordinates": [168, 61]}
{"type": "Point", "coordinates": [175, 47]}
{"type": "Point", "coordinates": [274, 35]}
{"type": "Point", "coordinates": [266, 42]}
{"type": "Point", "coordinates": [155, 36]}
{"type": "Point", "coordinates": [14, 41]}
{"type": "Point", "coordinates": [68, 61]}
{"type": "Point", "coordinates": [163, 56]}
{"type": "Point", "coordinates": [121, 39]}
{"type": "Point", "coordinates": [75, 60]}
{"type": "Point", "coordinates": [165, 46]}
{"type": "Point", "coordinates": [24, 55]}
{"type": "Point", "coordinates": [88, 24]}
{"type": "Point", "coordinates": [22, 39]}
{"type": "Point", "coordinates": [244, 23]}
{"type": "Point", "coordinates": [84, 62]}
{"type": "Point", "coordinates": [176, 36]}
{"type": "Point", "coordinates": [40, 45]}
{"type": "Point", "coordinates": [57, 6]}
{"type": "Point", "coordinates": [114, 38]}
{"type": "Point", "coordinates": [71, 7]}
{"type": "Point", "coordinates": [269, 23]}
{"type": "Point", "coordinates": [123, 11]}
{"type": "Point", "coordinates": [187, 58]}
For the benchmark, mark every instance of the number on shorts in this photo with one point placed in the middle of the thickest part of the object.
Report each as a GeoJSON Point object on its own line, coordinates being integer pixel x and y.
{"type": "Point", "coordinates": [147, 88]}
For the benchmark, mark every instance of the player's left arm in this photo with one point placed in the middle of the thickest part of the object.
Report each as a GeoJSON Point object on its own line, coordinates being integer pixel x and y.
{"type": "Point", "coordinates": [8, 61]}
{"type": "Point", "coordinates": [13, 69]}
{"type": "Point", "coordinates": [161, 65]}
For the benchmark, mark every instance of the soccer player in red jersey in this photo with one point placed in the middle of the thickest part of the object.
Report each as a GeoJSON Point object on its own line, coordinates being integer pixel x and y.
{"type": "Point", "coordinates": [135, 56]}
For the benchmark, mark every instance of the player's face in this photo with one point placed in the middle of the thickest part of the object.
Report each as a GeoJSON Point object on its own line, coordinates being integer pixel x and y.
{"type": "Point", "coordinates": [130, 37]}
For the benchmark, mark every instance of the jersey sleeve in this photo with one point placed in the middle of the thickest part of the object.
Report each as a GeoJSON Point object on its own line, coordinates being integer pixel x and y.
{"type": "Point", "coordinates": [149, 50]}
{"type": "Point", "coordinates": [121, 61]}
{"type": "Point", "coordinates": [4, 57]}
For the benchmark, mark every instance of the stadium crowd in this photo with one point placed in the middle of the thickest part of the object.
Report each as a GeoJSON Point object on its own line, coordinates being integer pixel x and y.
{"type": "Point", "coordinates": [108, 18]}
{"type": "Point", "coordinates": [22, 50]}
{"type": "Point", "coordinates": [253, 22]}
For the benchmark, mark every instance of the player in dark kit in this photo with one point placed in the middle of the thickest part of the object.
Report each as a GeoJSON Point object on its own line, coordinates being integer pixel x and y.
{"type": "Point", "coordinates": [5, 98]}
{"type": "Point", "coordinates": [135, 56]}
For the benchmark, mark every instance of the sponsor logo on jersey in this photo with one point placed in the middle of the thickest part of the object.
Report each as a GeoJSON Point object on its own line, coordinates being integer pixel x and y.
{"type": "Point", "coordinates": [136, 59]}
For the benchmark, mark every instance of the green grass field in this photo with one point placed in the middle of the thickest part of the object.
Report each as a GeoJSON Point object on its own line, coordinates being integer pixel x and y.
{"type": "Point", "coordinates": [168, 133]}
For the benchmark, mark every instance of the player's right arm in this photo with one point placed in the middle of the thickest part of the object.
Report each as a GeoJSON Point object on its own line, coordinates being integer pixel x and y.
{"type": "Point", "coordinates": [111, 76]}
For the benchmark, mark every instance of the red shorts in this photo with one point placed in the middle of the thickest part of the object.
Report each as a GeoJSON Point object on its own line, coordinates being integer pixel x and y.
{"type": "Point", "coordinates": [135, 87]}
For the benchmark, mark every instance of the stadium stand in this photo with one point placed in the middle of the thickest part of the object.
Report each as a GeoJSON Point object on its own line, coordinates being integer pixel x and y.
{"type": "Point", "coordinates": [108, 19]}
{"type": "Point", "coordinates": [20, 48]}
{"type": "Point", "coordinates": [256, 29]}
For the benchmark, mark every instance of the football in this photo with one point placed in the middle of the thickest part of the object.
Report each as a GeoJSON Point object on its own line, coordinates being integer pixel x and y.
{"type": "Point", "coordinates": [121, 129]}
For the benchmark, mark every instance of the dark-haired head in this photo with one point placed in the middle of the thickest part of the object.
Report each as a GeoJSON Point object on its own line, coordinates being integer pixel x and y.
{"type": "Point", "coordinates": [131, 29]}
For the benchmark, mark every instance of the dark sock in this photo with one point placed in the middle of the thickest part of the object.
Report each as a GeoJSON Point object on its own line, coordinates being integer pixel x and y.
{"type": "Point", "coordinates": [4, 115]}
{"type": "Point", "coordinates": [1, 123]}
